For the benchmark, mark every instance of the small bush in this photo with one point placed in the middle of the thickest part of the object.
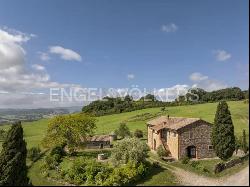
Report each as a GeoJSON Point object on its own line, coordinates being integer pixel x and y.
{"type": "Point", "coordinates": [34, 153]}
{"type": "Point", "coordinates": [202, 168]}
{"type": "Point", "coordinates": [138, 133]}
{"type": "Point", "coordinates": [161, 151]}
{"type": "Point", "coordinates": [58, 150]}
{"type": "Point", "coordinates": [185, 160]}
{"type": "Point", "coordinates": [156, 165]}
{"type": "Point", "coordinates": [219, 167]}
{"type": "Point", "coordinates": [195, 164]}
{"type": "Point", "coordinates": [50, 162]}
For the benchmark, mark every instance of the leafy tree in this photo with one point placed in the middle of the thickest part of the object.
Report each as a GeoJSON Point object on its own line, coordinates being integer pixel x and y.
{"type": "Point", "coordinates": [69, 130]}
{"type": "Point", "coordinates": [244, 142]}
{"type": "Point", "coordinates": [138, 133]}
{"type": "Point", "coordinates": [13, 169]}
{"type": "Point", "coordinates": [150, 97]}
{"type": "Point", "coordinates": [128, 98]}
{"type": "Point", "coordinates": [223, 138]}
{"type": "Point", "coordinates": [129, 150]}
{"type": "Point", "coordinates": [181, 98]}
{"type": "Point", "coordinates": [123, 130]}
{"type": "Point", "coordinates": [195, 94]}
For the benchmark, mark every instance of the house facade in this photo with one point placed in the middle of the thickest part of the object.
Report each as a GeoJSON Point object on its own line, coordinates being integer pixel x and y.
{"type": "Point", "coordinates": [181, 137]}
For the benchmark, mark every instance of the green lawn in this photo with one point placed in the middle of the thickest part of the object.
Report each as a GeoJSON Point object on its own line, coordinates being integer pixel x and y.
{"type": "Point", "coordinates": [36, 177]}
{"type": "Point", "coordinates": [160, 177]}
{"type": "Point", "coordinates": [35, 131]}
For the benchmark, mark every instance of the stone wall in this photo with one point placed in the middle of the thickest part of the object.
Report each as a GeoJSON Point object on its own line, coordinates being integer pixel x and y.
{"type": "Point", "coordinates": [198, 135]}
{"type": "Point", "coordinates": [97, 144]}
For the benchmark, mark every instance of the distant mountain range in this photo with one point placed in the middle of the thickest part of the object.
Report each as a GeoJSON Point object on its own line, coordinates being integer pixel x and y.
{"type": "Point", "coordinates": [8, 116]}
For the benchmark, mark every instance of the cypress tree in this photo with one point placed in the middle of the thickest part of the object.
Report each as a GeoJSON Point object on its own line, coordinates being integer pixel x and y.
{"type": "Point", "coordinates": [244, 142]}
{"type": "Point", "coordinates": [223, 138]}
{"type": "Point", "coordinates": [13, 169]}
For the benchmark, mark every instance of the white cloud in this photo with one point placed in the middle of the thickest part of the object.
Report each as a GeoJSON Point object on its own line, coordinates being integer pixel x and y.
{"type": "Point", "coordinates": [169, 27]}
{"type": "Point", "coordinates": [197, 77]}
{"type": "Point", "coordinates": [14, 74]}
{"type": "Point", "coordinates": [222, 55]}
{"type": "Point", "coordinates": [171, 93]}
{"type": "Point", "coordinates": [130, 76]}
{"type": "Point", "coordinates": [44, 56]}
{"type": "Point", "coordinates": [11, 35]}
{"type": "Point", "coordinates": [38, 67]}
{"type": "Point", "coordinates": [203, 81]}
{"type": "Point", "coordinates": [65, 54]}
{"type": "Point", "coordinates": [33, 100]}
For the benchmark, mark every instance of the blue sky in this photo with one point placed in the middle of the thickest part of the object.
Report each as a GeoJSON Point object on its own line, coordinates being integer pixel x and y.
{"type": "Point", "coordinates": [152, 44]}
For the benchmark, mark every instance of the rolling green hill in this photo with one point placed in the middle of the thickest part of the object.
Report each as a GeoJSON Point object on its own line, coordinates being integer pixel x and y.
{"type": "Point", "coordinates": [35, 131]}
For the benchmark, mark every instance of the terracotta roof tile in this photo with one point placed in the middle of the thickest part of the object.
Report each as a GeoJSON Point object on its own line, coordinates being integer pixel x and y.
{"type": "Point", "coordinates": [97, 138]}
{"type": "Point", "coordinates": [174, 123]}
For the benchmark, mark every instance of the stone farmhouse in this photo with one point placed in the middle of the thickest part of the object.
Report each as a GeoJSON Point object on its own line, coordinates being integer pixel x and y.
{"type": "Point", "coordinates": [181, 137]}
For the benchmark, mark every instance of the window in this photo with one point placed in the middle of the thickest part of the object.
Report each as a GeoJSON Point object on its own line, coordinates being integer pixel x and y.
{"type": "Point", "coordinates": [191, 135]}
{"type": "Point", "coordinates": [210, 147]}
{"type": "Point", "coordinates": [174, 134]}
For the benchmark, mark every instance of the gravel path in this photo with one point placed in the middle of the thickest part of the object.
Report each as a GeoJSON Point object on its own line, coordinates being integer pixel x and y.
{"type": "Point", "coordinates": [192, 179]}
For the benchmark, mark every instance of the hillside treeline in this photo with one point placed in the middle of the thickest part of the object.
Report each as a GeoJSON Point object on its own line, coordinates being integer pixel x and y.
{"type": "Point", "coordinates": [109, 105]}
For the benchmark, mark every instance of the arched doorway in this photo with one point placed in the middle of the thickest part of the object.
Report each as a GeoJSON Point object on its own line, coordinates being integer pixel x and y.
{"type": "Point", "coordinates": [191, 151]}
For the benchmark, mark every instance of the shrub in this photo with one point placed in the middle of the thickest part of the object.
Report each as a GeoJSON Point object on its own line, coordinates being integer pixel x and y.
{"type": "Point", "coordinates": [195, 164]}
{"type": "Point", "coordinates": [34, 153]}
{"type": "Point", "coordinates": [127, 174]}
{"type": "Point", "coordinates": [219, 167]}
{"type": "Point", "coordinates": [202, 168]}
{"type": "Point", "coordinates": [161, 151]}
{"type": "Point", "coordinates": [129, 149]}
{"type": "Point", "coordinates": [185, 160]}
{"type": "Point", "coordinates": [58, 150]}
{"type": "Point", "coordinates": [51, 162]}
{"type": "Point", "coordinates": [90, 172]}
{"type": "Point", "coordinates": [156, 165]}
{"type": "Point", "coordinates": [138, 133]}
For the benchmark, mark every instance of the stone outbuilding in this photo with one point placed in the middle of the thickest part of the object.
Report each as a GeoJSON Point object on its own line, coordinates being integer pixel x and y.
{"type": "Point", "coordinates": [181, 136]}
{"type": "Point", "coordinates": [100, 141]}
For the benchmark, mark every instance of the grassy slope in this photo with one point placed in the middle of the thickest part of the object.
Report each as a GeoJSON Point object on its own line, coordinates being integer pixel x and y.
{"type": "Point", "coordinates": [239, 110]}
{"type": "Point", "coordinates": [35, 131]}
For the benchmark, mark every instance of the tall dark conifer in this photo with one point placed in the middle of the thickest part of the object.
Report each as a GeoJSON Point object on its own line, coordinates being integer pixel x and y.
{"type": "Point", "coordinates": [13, 169]}
{"type": "Point", "coordinates": [244, 141]}
{"type": "Point", "coordinates": [223, 138]}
